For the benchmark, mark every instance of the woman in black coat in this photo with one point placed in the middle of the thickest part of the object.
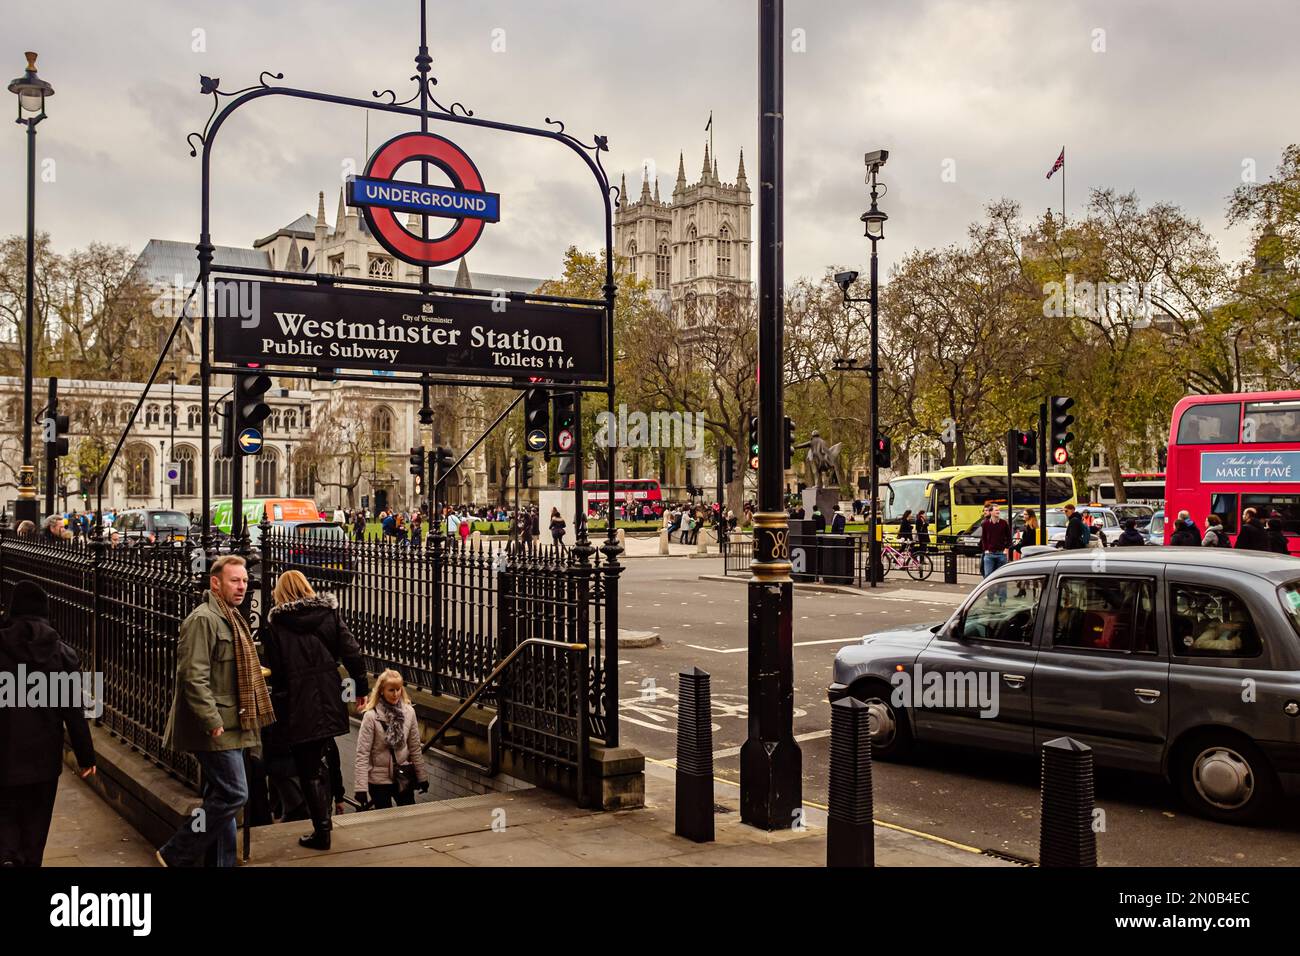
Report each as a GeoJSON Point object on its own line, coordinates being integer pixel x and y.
{"type": "Point", "coordinates": [1276, 538]}
{"type": "Point", "coordinates": [31, 738]}
{"type": "Point", "coordinates": [306, 640]}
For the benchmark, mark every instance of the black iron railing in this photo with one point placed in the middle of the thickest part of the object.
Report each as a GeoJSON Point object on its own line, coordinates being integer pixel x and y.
{"type": "Point", "coordinates": [737, 553]}
{"type": "Point", "coordinates": [445, 615]}
{"type": "Point", "coordinates": [121, 610]}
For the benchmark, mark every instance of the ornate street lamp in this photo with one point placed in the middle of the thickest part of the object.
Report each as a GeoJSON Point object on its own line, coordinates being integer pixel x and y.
{"type": "Point", "coordinates": [32, 92]}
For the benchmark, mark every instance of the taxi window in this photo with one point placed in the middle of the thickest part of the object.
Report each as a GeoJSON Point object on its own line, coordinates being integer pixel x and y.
{"type": "Point", "coordinates": [1106, 614]}
{"type": "Point", "coordinates": [1210, 622]}
{"type": "Point", "coordinates": [1005, 611]}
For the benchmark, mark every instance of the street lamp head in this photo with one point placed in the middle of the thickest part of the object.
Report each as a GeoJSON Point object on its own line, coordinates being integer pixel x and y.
{"type": "Point", "coordinates": [30, 89]}
{"type": "Point", "coordinates": [874, 219]}
{"type": "Point", "coordinates": [845, 279]}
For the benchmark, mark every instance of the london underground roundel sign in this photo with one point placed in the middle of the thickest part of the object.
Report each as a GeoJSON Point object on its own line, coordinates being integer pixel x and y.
{"type": "Point", "coordinates": [380, 198]}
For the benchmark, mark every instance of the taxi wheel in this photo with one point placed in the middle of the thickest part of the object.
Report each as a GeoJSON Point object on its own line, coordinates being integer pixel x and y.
{"type": "Point", "coordinates": [1225, 777]}
{"type": "Point", "coordinates": [891, 730]}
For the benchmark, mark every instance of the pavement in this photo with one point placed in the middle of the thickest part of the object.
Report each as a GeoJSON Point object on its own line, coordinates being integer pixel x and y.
{"type": "Point", "coordinates": [524, 828]}
{"type": "Point", "coordinates": [534, 828]}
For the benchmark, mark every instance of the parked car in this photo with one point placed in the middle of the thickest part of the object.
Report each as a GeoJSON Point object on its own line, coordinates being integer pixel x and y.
{"type": "Point", "coordinates": [139, 526]}
{"type": "Point", "coordinates": [321, 550]}
{"type": "Point", "coordinates": [1141, 514]}
{"type": "Point", "coordinates": [1156, 529]}
{"type": "Point", "coordinates": [1102, 517]}
{"type": "Point", "coordinates": [1145, 661]}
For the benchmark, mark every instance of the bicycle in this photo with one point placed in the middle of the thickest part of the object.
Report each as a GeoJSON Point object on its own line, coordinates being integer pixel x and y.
{"type": "Point", "coordinates": [917, 564]}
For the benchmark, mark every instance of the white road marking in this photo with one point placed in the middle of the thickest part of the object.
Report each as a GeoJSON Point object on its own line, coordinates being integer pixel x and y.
{"type": "Point", "coordinates": [741, 650]}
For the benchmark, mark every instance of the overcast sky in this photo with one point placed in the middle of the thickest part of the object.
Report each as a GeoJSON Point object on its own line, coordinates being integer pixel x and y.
{"type": "Point", "coordinates": [1183, 93]}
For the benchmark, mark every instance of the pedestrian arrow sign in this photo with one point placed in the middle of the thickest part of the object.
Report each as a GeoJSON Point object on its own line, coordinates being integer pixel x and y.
{"type": "Point", "coordinates": [536, 440]}
{"type": "Point", "coordinates": [250, 441]}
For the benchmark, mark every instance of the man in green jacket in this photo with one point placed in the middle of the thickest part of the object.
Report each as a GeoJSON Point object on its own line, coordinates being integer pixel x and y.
{"type": "Point", "coordinates": [218, 709]}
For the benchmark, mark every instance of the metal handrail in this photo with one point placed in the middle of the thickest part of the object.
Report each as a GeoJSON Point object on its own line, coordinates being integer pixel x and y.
{"type": "Point", "coordinates": [487, 682]}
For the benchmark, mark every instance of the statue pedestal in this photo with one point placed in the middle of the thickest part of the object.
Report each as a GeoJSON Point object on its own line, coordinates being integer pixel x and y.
{"type": "Point", "coordinates": [827, 499]}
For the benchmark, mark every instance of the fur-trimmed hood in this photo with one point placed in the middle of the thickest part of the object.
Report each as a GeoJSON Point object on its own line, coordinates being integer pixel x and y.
{"type": "Point", "coordinates": [307, 610]}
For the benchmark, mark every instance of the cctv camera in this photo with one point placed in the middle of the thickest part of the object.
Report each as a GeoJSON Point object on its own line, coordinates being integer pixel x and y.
{"type": "Point", "coordinates": [877, 158]}
{"type": "Point", "coordinates": [845, 279]}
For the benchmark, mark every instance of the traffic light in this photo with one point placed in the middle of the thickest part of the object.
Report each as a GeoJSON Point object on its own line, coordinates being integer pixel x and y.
{"type": "Point", "coordinates": [443, 459]}
{"type": "Point", "coordinates": [54, 432]}
{"type": "Point", "coordinates": [1026, 449]}
{"type": "Point", "coordinates": [564, 415]}
{"type": "Point", "coordinates": [417, 461]}
{"type": "Point", "coordinates": [228, 430]}
{"type": "Point", "coordinates": [728, 465]}
{"type": "Point", "coordinates": [249, 390]}
{"type": "Point", "coordinates": [753, 443]}
{"type": "Point", "coordinates": [1061, 420]}
{"type": "Point", "coordinates": [881, 451]}
{"type": "Point", "coordinates": [788, 458]}
{"type": "Point", "coordinates": [537, 411]}
{"type": "Point", "coordinates": [526, 472]}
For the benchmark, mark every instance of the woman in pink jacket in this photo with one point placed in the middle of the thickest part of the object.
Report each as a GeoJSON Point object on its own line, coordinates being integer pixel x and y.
{"type": "Point", "coordinates": [390, 761]}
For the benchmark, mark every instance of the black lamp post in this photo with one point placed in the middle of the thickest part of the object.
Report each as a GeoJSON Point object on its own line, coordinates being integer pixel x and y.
{"type": "Point", "coordinates": [874, 221]}
{"type": "Point", "coordinates": [771, 764]}
{"type": "Point", "coordinates": [32, 93]}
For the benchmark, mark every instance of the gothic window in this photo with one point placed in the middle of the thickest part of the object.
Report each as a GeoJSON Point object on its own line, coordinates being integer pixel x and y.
{"type": "Point", "coordinates": [724, 252]}
{"type": "Point", "coordinates": [381, 267]}
{"type": "Point", "coordinates": [124, 413]}
{"type": "Point", "coordinates": [167, 411]}
{"type": "Point", "coordinates": [184, 457]}
{"type": "Point", "coordinates": [336, 265]}
{"type": "Point", "coordinates": [304, 257]}
{"type": "Point", "coordinates": [726, 305]}
{"type": "Point", "coordinates": [277, 420]}
{"type": "Point", "coordinates": [150, 415]}
{"type": "Point", "coordinates": [690, 308]}
{"type": "Point", "coordinates": [304, 478]}
{"type": "Point", "coordinates": [662, 266]}
{"type": "Point", "coordinates": [192, 418]}
{"type": "Point", "coordinates": [265, 473]}
{"type": "Point", "coordinates": [381, 428]}
{"type": "Point", "coordinates": [690, 252]}
{"type": "Point", "coordinates": [290, 420]}
{"type": "Point", "coordinates": [631, 250]}
{"type": "Point", "coordinates": [139, 471]}
{"type": "Point", "coordinates": [306, 418]}
{"type": "Point", "coordinates": [221, 477]}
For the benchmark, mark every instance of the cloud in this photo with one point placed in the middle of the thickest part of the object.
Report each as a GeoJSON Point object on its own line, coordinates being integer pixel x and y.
{"type": "Point", "coordinates": [1180, 95]}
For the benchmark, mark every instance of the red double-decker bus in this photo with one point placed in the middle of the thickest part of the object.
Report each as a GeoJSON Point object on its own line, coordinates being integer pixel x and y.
{"type": "Point", "coordinates": [1228, 453]}
{"type": "Point", "coordinates": [626, 491]}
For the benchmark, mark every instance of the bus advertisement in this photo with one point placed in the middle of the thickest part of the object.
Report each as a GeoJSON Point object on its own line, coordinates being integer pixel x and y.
{"type": "Point", "coordinates": [1228, 453]}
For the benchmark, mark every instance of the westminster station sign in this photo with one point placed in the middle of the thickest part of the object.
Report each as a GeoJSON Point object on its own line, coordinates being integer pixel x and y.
{"type": "Point", "coordinates": [274, 323]}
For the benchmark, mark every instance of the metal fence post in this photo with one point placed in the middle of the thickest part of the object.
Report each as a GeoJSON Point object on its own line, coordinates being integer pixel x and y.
{"type": "Point", "coordinates": [267, 551]}
{"type": "Point", "coordinates": [694, 812]}
{"type": "Point", "coordinates": [850, 837]}
{"type": "Point", "coordinates": [1066, 837]}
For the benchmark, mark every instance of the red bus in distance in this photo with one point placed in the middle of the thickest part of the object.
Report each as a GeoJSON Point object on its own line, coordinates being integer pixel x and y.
{"type": "Point", "coordinates": [1228, 453]}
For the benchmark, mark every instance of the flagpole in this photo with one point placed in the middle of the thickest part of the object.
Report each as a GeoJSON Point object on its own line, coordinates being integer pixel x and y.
{"type": "Point", "coordinates": [1062, 188]}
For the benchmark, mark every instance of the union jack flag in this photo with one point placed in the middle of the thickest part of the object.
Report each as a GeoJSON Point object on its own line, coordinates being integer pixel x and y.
{"type": "Point", "coordinates": [1060, 161]}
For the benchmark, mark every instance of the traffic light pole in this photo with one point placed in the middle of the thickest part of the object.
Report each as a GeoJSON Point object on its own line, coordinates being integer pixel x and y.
{"type": "Point", "coordinates": [236, 470]}
{"type": "Point", "coordinates": [51, 461]}
{"type": "Point", "coordinates": [771, 764]}
{"type": "Point", "coordinates": [1042, 473]}
{"type": "Point", "coordinates": [1013, 449]}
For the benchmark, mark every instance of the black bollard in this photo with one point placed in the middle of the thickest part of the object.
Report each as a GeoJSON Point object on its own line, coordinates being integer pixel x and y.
{"type": "Point", "coordinates": [850, 838]}
{"type": "Point", "coordinates": [1066, 837]}
{"type": "Point", "coordinates": [950, 567]}
{"type": "Point", "coordinates": [694, 756]}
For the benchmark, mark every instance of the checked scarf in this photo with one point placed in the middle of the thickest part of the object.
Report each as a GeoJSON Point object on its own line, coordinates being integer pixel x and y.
{"type": "Point", "coordinates": [255, 709]}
